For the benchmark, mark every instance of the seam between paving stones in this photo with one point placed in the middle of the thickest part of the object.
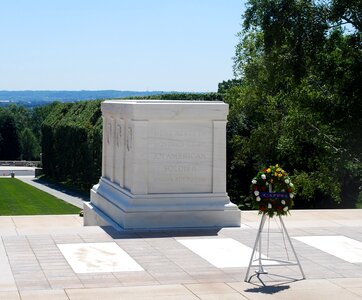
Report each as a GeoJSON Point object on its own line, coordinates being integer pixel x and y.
{"type": "Point", "coordinates": [15, 227]}
{"type": "Point", "coordinates": [159, 282]}
{"type": "Point", "coordinates": [135, 259]}
{"type": "Point", "coordinates": [41, 268]}
{"type": "Point", "coordinates": [11, 268]}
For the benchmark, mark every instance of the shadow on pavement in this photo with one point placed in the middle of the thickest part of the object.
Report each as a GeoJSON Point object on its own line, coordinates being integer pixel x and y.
{"type": "Point", "coordinates": [159, 233]}
{"type": "Point", "coordinates": [62, 189]}
{"type": "Point", "coordinates": [268, 289]}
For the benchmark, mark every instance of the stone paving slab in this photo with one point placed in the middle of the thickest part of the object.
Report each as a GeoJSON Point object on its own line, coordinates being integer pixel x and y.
{"type": "Point", "coordinates": [33, 266]}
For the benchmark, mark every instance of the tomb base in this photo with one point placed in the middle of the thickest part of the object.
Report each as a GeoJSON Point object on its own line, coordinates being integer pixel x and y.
{"type": "Point", "coordinates": [113, 205]}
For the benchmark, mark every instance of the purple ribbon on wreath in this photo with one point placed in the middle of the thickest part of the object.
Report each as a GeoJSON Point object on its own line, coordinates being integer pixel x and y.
{"type": "Point", "coordinates": [281, 195]}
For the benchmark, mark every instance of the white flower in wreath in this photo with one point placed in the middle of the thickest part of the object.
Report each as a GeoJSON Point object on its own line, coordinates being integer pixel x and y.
{"type": "Point", "coordinates": [291, 185]}
{"type": "Point", "coordinates": [285, 208]}
{"type": "Point", "coordinates": [283, 202]}
{"type": "Point", "coordinates": [263, 176]}
{"type": "Point", "coordinates": [253, 181]}
{"type": "Point", "coordinates": [269, 205]}
{"type": "Point", "coordinates": [258, 199]}
{"type": "Point", "coordinates": [267, 183]}
{"type": "Point", "coordinates": [287, 181]}
{"type": "Point", "coordinates": [291, 195]}
{"type": "Point", "coordinates": [256, 193]}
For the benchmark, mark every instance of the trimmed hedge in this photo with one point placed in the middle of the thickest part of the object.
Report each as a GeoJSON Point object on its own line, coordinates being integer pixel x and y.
{"type": "Point", "coordinates": [72, 143]}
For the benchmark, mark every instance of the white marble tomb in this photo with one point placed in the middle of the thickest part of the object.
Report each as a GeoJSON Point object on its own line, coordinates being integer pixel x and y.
{"type": "Point", "coordinates": [163, 165]}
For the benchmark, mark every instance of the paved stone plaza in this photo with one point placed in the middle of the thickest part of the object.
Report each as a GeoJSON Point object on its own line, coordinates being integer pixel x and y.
{"type": "Point", "coordinates": [179, 264]}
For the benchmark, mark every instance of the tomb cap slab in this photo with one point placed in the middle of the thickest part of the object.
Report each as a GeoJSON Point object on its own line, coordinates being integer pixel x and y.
{"type": "Point", "coordinates": [167, 109]}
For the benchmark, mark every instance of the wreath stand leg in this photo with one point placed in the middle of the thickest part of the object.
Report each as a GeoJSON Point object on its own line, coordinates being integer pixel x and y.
{"type": "Point", "coordinates": [292, 247]}
{"type": "Point", "coordinates": [259, 260]}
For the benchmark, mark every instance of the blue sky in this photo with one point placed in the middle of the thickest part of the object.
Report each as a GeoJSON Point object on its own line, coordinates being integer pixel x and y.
{"type": "Point", "coordinates": [170, 45]}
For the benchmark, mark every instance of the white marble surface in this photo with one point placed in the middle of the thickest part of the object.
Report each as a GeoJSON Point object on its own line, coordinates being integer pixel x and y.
{"type": "Point", "coordinates": [164, 165]}
{"type": "Point", "coordinates": [337, 245]}
{"type": "Point", "coordinates": [166, 109]}
{"type": "Point", "coordinates": [98, 257]}
{"type": "Point", "coordinates": [157, 147]}
{"type": "Point", "coordinates": [222, 253]}
{"type": "Point", "coordinates": [180, 157]}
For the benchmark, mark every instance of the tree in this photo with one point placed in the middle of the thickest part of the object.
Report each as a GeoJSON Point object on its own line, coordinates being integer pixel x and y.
{"type": "Point", "coordinates": [299, 98]}
{"type": "Point", "coordinates": [9, 142]}
{"type": "Point", "coordinates": [30, 148]}
{"type": "Point", "coordinates": [28, 118]}
{"type": "Point", "coordinates": [347, 12]}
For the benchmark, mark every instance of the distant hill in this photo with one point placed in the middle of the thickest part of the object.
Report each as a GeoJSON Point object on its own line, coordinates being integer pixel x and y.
{"type": "Point", "coordinates": [37, 98]}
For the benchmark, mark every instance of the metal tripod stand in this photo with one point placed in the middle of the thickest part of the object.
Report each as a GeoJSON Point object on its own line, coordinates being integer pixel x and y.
{"type": "Point", "coordinates": [258, 262]}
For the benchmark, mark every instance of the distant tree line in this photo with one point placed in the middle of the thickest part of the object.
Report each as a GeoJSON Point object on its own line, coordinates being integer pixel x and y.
{"type": "Point", "coordinates": [20, 132]}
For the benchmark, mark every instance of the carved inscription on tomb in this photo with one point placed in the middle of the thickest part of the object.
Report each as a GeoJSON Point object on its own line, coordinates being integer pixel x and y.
{"type": "Point", "coordinates": [180, 157]}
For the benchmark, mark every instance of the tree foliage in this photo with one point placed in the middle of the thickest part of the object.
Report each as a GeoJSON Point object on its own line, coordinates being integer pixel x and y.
{"type": "Point", "coordinates": [9, 139]}
{"type": "Point", "coordinates": [27, 132]}
{"type": "Point", "coordinates": [29, 145]}
{"type": "Point", "coordinates": [298, 102]}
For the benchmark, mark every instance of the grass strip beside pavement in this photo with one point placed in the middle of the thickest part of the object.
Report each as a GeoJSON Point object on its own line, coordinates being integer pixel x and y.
{"type": "Point", "coordinates": [19, 198]}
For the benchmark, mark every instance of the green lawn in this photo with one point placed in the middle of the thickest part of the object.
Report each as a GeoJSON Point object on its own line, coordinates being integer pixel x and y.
{"type": "Point", "coordinates": [19, 198]}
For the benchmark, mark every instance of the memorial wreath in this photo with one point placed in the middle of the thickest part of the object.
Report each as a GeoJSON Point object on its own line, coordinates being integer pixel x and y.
{"type": "Point", "coordinates": [273, 191]}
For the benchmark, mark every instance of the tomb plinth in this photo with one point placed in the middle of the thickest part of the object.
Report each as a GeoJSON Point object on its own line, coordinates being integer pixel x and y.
{"type": "Point", "coordinates": [163, 165]}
